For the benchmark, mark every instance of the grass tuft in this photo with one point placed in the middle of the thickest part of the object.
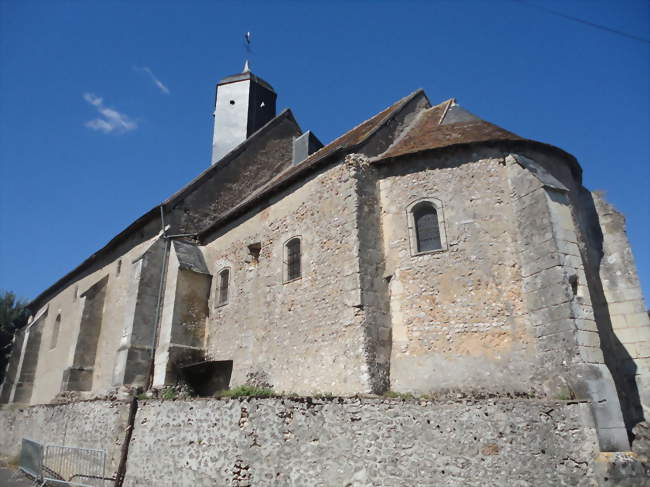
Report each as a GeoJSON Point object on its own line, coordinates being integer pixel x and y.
{"type": "Point", "coordinates": [323, 395]}
{"type": "Point", "coordinates": [405, 396]}
{"type": "Point", "coordinates": [247, 391]}
{"type": "Point", "coordinates": [169, 393]}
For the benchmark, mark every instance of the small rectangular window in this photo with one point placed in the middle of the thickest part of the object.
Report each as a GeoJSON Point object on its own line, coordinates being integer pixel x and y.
{"type": "Point", "coordinates": [224, 277]}
{"type": "Point", "coordinates": [254, 250]}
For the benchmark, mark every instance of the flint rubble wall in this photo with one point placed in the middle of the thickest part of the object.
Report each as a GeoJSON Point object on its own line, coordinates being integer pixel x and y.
{"type": "Point", "coordinates": [361, 442]}
{"type": "Point", "coordinates": [353, 441]}
{"type": "Point", "coordinates": [88, 424]}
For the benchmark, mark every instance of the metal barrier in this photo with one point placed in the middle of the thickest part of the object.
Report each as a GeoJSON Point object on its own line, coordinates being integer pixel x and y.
{"type": "Point", "coordinates": [77, 466]}
{"type": "Point", "coordinates": [31, 457]}
{"type": "Point", "coordinates": [57, 465]}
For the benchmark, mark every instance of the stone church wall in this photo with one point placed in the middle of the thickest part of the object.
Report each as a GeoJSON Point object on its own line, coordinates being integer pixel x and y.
{"type": "Point", "coordinates": [507, 303]}
{"type": "Point", "coordinates": [374, 285]}
{"type": "Point", "coordinates": [306, 335]}
{"type": "Point", "coordinates": [606, 299]}
{"type": "Point", "coordinates": [628, 339]}
{"type": "Point", "coordinates": [69, 304]}
{"type": "Point", "coordinates": [456, 313]}
{"type": "Point", "coordinates": [368, 314]}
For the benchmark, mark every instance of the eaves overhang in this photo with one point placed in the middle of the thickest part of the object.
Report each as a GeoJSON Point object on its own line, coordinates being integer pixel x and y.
{"type": "Point", "coordinates": [507, 145]}
{"type": "Point", "coordinates": [153, 214]}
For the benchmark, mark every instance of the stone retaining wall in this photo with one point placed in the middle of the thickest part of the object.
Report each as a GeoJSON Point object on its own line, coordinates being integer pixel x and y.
{"type": "Point", "coordinates": [361, 442]}
{"type": "Point", "coordinates": [342, 442]}
{"type": "Point", "coordinates": [91, 424]}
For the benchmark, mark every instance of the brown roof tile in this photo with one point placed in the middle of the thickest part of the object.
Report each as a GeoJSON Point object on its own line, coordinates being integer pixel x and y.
{"type": "Point", "coordinates": [429, 132]}
{"type": "Point", "coordinates": [361, 132]}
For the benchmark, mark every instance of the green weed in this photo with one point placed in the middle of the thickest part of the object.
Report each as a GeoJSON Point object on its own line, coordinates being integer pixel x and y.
{"type": "Point", "coordinates": [247, 391]}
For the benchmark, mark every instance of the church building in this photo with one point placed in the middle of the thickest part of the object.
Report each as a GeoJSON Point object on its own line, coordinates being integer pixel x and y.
{"type": "Point", "coordinates": [424, 251]}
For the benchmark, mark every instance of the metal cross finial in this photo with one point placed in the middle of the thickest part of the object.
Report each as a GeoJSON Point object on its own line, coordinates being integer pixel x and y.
{"type": "Point", "coordinates": [247, 45]}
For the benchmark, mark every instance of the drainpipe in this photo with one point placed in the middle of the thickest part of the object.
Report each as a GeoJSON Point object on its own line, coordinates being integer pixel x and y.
{"type": "Point", "coordinates": [124, 454]}
{"type": "Point", "coordinates": [161, 291]}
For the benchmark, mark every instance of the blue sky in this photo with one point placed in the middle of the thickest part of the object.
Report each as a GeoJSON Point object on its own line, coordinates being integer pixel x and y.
{"type": "Point", "coordinates": [105, 107]}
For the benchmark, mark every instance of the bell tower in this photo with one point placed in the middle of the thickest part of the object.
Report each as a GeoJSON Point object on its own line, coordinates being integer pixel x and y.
{"type": "Point", "coordinates": [244, 103]}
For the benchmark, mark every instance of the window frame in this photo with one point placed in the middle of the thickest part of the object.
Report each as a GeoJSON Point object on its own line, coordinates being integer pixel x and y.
{"type": "Point", "coordinates": [218, 302]}
{"type": "Point", "coordinates": [285, 261]}
{"type": "Point", "coordinates": [412, 230]}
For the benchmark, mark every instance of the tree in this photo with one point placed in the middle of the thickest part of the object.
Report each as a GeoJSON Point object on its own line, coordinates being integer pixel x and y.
{"type": "Point", "coordinates": [13, 316]}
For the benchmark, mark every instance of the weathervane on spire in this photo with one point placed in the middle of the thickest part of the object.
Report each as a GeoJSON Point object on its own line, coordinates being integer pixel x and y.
{"type": "Point", "coordinates": [247, 45]}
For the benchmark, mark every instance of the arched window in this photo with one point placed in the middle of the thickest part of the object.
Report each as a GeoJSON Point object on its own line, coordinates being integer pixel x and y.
{"type": "Point", "coordinates": [55, 332]}
{"type": "Point", "coordinates": [426, 226]}
{"type": "Point", "coordinates": [293, 259]}
{"type": "Point", "coordinates": [427, 230]}
{"type": "Point", "coordinates": [224, 278]}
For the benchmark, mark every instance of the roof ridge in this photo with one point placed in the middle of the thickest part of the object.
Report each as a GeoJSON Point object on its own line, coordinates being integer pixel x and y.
{"type": "Point", "coordinates": [414, 123]}
{"type": "Point", "coordinates": [390, 110]}
{"type": "Point", "coordinates": [405, 132]}
{"type": "Point", "coordinates": [399, 106]}
{"type": "Point", "coordinates": [229, 157]}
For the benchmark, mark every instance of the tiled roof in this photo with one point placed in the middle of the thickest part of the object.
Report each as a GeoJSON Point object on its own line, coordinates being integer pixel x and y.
{"type": "Point", "coordinates": [361, 132]}
{"type": "Point", "coordinates": [445, 125]}
{"type": "Point", "coordinates": [348, 142]}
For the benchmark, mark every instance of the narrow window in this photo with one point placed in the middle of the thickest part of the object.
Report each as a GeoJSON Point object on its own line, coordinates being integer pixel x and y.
{"type": "Point", "coordinates": [224, 277]}
{"type": "Point", "coordinates": [293, 259]}
{"type": "Point", "coordinates": [254, 250]}
{"type": "Point", "coordinates": [427, 229]}
{"type": "Point", "coordinates": [55, 332]}
{"type": "Point", "coordinates": [119, 267]}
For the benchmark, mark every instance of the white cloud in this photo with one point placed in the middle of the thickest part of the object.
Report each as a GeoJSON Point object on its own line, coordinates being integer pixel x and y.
{"type": "Point", "coordinates": [112, 121]}
{"type": "Point", "coordinates": [154, 79]}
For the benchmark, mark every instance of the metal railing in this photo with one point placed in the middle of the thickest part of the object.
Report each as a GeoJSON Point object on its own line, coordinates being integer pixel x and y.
{"type": "Point", "coordinates": [57, 465]}
{"type": "Point", "coordinates": [31, 457]}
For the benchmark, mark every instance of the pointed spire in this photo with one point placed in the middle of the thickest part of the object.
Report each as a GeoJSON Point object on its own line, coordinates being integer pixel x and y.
{"type": "Point", "coordinates": [247, 69]}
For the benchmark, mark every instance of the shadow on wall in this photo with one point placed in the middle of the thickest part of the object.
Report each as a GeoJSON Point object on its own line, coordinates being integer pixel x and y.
{"type": "Point", "coordinates": [208, 377]}
{"type": "Point", "coordinates": [617, 358]}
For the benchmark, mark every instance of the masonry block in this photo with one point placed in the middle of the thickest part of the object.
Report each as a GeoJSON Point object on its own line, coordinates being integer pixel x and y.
{"type": "Point", "coordinates": [547, 297]}
{"type": "Point", "coordinates": [637, 319]}
{"type": "Point", "coordinates": [594, 382]}
{"type": "Point", "coordinates": [588, 338]}
{"type": "Point", "coordinates": [554, 327]}
{"type": "Point", "coordinates": [550, 314]}
{"type": "Point", "coordinates": [633, 335]}
{"type": "Point", "coordinates": [586, 325]}
{"type": "Point", "coordinates": [591, 355]}
{"type": "Point", "coordinates": [627, 308]}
